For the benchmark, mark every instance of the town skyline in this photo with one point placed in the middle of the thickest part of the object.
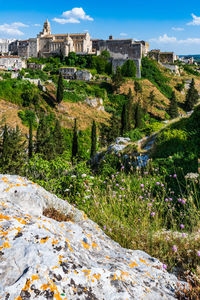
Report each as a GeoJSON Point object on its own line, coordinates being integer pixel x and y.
{"type": "Point", "coordinates": [169, 29]}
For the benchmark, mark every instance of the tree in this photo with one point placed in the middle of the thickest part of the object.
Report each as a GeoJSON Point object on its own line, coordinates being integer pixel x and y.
{"type": "Point", "coordinates": [13, 151]}
{"type": "Point", "coordinates": [138, 116]}
{"type": "Point", "coordinates": [191, 97]}
{"type": "Point", "coordinates": [75, 141]}
{"type": "Point", "coordinates": [105, 54]}
{"type": "Point", "coordinates": [124, 120]}
{"type": "Point", "coordinates": [5, 145]}
{"type": "Point", "coordinates": [173, 107]}
{"type": "Point", "coordinates": [60, 89]}
{"type": "Point", "coordinates": [137, 87]}
{"type": "Point", "coordinates": [152, 99]}
{"type": "Point", "coordinates": [58, 139]}
{"type": "Point", "coordinates": [30, 140]}
{"type": "Point", "coordinates": [93, 140]}
{"type": "Point", "coordinates": [110, 132]}
{"type": "Point", "coordinates": [129, 69]}
{"type": "Point", "coordinates": [42, 136]}
{"type": "Point", "coordinates": [129, 109]}
{"type": "Point", "coordinates": [117, 79]}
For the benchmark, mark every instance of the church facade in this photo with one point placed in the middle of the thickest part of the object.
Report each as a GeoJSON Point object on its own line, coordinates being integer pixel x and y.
{"type": "Point", "coordinates": [47, 44]}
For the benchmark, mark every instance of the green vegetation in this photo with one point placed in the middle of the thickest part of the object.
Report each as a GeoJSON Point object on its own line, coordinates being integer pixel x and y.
{"type": "Point", "coordinates": [151, 71]}
{"type": "Point", "coordinates": [191, 70]}
{"type": "Point", "coordinates": [173, 107]}
{"type": "Point", "coordinates": [60, 89]}
{"type": "Point", "coordinates": [191, 97]}
{"type": "Point", "coordinates": [129, 69]}
{"type": "Point", "coordinates": [136, 206]}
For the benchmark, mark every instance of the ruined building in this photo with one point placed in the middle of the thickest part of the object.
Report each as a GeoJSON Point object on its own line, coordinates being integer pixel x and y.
{"type": "Point", "coordinates": [163, 57]}
{"type": "Point", "coordinates": [121, 50]}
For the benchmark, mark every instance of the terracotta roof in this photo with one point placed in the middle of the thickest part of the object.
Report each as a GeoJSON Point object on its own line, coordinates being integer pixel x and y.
{"type": "Point", "coordinates": [9, 56]}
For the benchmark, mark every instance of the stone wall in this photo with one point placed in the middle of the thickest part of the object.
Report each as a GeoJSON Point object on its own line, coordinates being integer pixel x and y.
{"type": "Point", "coordinates": [122, 50]}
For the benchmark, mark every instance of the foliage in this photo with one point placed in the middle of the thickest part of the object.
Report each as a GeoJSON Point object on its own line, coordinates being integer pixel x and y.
{"type": "Point", "coordinates": [173, 107]}
{"type": "Point", "coordinates": [191, 70]}
{"type": "Point", "coordinates": [117, 79]}
{"type": "Point", "coordinates": [60, 89]}
{"type": "Point", "coordinates": [191, 97]}
{"type": "Point", "coordinates": [28, 116]}
{"type": "Point", "coordinates": [129, 69]}
{"type": "Point", "coordinates": [75, 141]}
{"type": "Point", "coordinates": [36, 74]}
{"type": "Point", "coordinates": [124, 120]}
{"type": "Point", "coordinates": [12, 150]}
{"type": "Point", "coordinates": [180, 86]}
{"type": "Point", "coordinates": [93, 140]}
{"type": "Point", "coordinates": [151, 71]}
{"type": "Point", "coordinates": [18, 91]}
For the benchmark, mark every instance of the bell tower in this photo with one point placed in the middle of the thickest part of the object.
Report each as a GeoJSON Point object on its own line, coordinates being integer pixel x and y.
{"type": "Point", "coordinates": [46, 28]}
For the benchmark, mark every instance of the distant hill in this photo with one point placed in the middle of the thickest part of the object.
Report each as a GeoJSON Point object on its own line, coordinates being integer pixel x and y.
{"type": "Point", "coordinates": [196, 56]}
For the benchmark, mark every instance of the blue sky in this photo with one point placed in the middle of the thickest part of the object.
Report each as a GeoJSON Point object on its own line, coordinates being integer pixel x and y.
{"type": "Point", "coordinates": [172, 25]}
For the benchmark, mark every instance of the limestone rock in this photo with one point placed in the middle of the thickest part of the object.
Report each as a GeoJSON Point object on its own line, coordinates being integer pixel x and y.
{"type": "Point", "coordinates": [41, 258]}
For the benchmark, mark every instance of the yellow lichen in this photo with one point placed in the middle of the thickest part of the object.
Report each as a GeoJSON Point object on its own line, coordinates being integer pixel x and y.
{"type": "Point", "coordinates": [133, 264]}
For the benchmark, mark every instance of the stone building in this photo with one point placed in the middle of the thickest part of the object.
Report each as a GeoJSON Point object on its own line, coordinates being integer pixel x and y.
{"type": "Point", "coordinates": [12, 63]}
{"type": "Point", "coordinates": [35, 66]}
{"type": "Point", "coordinates": [68, 72]}
{"type": "Point", "coordinates": [163, 57]}
{"type": "Point", "coordinates": [83, 75]}
{"type": "Point", "coordinates": [121, 50]}
{"type": "Point", "coordinates": [72, 74]}
{"type": "Point", "coordinates": [47, 44]}
{"type": "Point", "coordinates": [4, 44]}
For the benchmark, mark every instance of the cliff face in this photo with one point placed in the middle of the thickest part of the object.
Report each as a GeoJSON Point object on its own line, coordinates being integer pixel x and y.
{"type": "Point", "coordinates": [41, 258]}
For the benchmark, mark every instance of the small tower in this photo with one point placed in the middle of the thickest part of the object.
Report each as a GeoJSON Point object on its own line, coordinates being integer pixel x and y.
{"type": "Point", "coordinates": [46, 28]}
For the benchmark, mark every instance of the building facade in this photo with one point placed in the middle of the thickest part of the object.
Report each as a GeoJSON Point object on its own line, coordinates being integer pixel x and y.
{"type": "Point", "coordinates": [12, 63]}
{"type": "Point", "coordinates": [121, 50]}
{"type": "Point", "coordinates": [4, 47]}
{"type": "Point", "coordinates": [47, 44]}
{"type": "Point", "coordinates": [163, 57]}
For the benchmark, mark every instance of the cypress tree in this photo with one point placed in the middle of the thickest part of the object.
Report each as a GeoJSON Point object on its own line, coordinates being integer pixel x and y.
{"type": "Point", "coordinates": [137, 87]}
{"type": "Point", "coordinates": [58, 138]}
{"type": "Point", "coordinates": [117, 78]}
{"type": "Point", "coordinates": [42, 136]}
{"type": "Point", "coordinates": [138, 116]}
{"type": "Point", "coordinates": [124, 121]}
{"type": "Point", "coordinates": [5, 145]}
{"type": "Point", "coordinates": [60, 89]}
{"type": "Point", "coordinates": [191, 97]}
{"type": "Point", "coordinates": [152, 99]}
{"type": "Point", "coordinates": [93, 140]}
{"type": "Point", "coordinates": [13, 151]}
{"type": "Point", "coordinates": [30, 140]}
{"type": "Point", "coordinates": [75, 141]}
{"type": "Point", "coordinates": [173, 107]}
{"type": "Point", "coordinates": [129, 109]}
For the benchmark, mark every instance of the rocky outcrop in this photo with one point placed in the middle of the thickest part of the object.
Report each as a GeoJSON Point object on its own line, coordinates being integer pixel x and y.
{"type": "Point", "coordinates": [41, 258]}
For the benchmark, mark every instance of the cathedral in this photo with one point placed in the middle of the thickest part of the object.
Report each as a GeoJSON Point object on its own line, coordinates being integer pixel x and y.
{"type": "Point", "coordinates": [47, 44]}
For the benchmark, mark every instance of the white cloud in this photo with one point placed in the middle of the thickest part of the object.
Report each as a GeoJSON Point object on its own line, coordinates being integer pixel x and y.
{"type": "Point", "coordinates": [12, 29]}
{"type": "Point", "coordinates": [195, 21]}
{"type": "Point", "coordinates": [65, 21]}
{"type": "Point", "coordinates": [178, 29]}
{"type": "Point", "coordinates": [73, 16]}
{"type": "Point", "coordinates": [165, 39]}
{"type": "Point", "coordinates": [37, 25]}
{"type": "Point", "coordinates": [123, 34]}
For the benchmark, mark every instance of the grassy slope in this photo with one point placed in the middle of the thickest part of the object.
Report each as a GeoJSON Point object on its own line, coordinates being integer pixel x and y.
{"type": "Point", "coordinates": [179, 143]}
